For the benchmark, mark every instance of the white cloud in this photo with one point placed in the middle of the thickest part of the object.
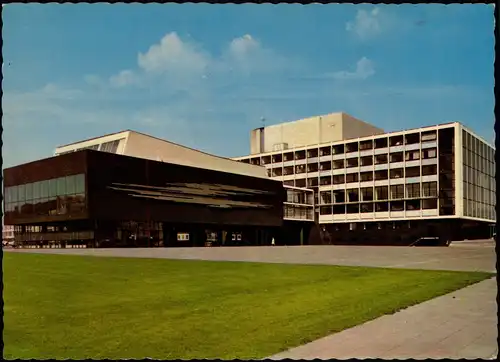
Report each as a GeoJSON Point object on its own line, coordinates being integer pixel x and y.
{"type": "Point", "coordinates": [242, 47]}
{"type": "Point", "coordinates": [124, 78]}
{"type": "Point", "coordinates": [366, 24]}
{"type": "Point", "coordinates": [173, 54]}
{"type": "Point", "coordinates": [364, 69]}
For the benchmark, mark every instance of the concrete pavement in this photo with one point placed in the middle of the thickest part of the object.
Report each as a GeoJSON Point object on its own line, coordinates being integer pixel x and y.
{"type": "Point", "coordinates": [467, 258]}
{"type": "Point", "coordinates": [462, 324]}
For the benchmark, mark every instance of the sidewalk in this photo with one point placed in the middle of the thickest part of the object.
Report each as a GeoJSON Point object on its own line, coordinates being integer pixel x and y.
{"type": "Point", "coordinates": [462, 324]}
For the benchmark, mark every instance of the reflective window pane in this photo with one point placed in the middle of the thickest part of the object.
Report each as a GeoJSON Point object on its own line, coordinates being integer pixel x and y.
{"type": "Point", "coordinates": [70, 185]}
{"type": "Point", "coordinates": [6, 194]}
{"type": "Point", "coordinates": [36, 190]}
{"type": "Point", "coordinates": [13, 194]}
{"type": "Point", "coordinates": [61, 186]}
{"type": "Point", "coordinates": [80, 184]}
{"type": "Point", "coordinates": [53, 187]}
{"type": "Point", "coordinates": [21, 193]}
{"type": "Point", "coordinates": [29, 191]}
{"type": "Point", "coordinates": [44, 189]}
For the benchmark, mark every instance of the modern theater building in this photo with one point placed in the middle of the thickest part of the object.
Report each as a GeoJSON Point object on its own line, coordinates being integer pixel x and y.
{"type": "Point", "coordinates": [329, 179]}
{"type": "Point", "coordinates": [131, 189]}
{"type": "Point", "coordinates": [376, 187]}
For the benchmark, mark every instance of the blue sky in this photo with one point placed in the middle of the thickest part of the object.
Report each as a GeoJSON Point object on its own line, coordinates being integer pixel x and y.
{"type": "Point", "coordinates": [204, 75]}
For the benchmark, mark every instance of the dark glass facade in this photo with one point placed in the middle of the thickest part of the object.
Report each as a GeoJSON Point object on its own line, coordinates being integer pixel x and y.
{"type": "Point", "coordinates": [479, 185]}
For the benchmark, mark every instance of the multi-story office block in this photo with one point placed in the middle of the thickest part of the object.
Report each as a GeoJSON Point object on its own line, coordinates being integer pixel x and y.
{"type": "Point", "coordinates": [393, 187]}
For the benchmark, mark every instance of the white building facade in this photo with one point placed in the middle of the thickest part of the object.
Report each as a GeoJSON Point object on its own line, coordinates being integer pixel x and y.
{"type": "Point", "coordinates": [438, 172]}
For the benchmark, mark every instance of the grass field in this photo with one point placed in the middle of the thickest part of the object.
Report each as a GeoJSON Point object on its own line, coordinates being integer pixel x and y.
{"type": "Point", "coordinates": [94, 307]}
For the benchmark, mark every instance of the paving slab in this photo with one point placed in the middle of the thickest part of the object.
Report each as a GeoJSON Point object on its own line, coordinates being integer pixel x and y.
{"type": "Point", "coordinates": [462, 324]}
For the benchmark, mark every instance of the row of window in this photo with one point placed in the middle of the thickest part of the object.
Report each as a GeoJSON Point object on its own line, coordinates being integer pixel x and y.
{"type": "Point", "coordinates": [408, 191]}
{"type": "Point", "coordinates": [111, 147]}
{"type": "Point", "coordinates": [61, 186]}
{"type": "Point", "coordinates": [478, 147]}
{"type": "Point", "coordinates": [379, 175]}
{"type": "Point", "coordinates": [354, 146]}
{"type": "Point", "coordinates": [61, 205]}
{"type": "Point", "coordinates": [479, 210]}
{"type": "Point", "coordinates": [478, 163]}
{"type": "Point", "coordinates": [479, 194]}
{"type": "Point", "coordinates": [367, 160]}
{"type": "Point", "coordinates": [477, 178]}
{"type": "Point", "coordinates": [395, 206]}
{"type": "Point", "coordinates": [299, 197]}
{"type": "Point", "coordinates": [297, 212]}
{"type": "Point", "coordinates": [343, 164]}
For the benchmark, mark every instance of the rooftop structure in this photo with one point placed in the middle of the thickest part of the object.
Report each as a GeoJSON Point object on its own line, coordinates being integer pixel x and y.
{"type": "Point", "coordinates": [136, 144]}
{"type": "Point", "coordinates": [314, 130]}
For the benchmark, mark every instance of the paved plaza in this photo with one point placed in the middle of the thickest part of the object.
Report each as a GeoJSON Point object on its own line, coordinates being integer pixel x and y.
{"type": "Point", "coordinates": [478, 256]}
{"type": "Point", "coordinates": [462, 324]}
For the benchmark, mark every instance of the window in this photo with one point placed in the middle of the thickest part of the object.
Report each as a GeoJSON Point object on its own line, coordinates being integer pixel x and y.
{"type": "Point", "coordinates": [325, 180]}
{"type": "Point", "coordinates": [429, 136]}
{"type": "Point", "coordinates": [365, 145]}
{"type": "Point", "coordinates": [380, 159]}
{"type": "Point", "coordinates": [338, 179]}
{"type": "Point", "coordinates": [366, 176]}
{"type": "Point", "coordinates": [396, 141]}
{"type": "Point", "coordinates": [337, 149]}
{"type": "Point", "coordinates": [413, 190]}
{"type": "Point", "coordinates": [429, 153]}
{"type": "Point", "coordinates": [325, 166]}
{"type": "Point", "coordinates": [326, 197]}
{"type": "Point", "coordinates": [428, 170]}
{"type": "Point", "coordinates": [325, 151]}
{"type": "Point", "coordinates": [21, 193]}
{"type": "Point", "coordinates": [37, 190]}
{"type": "Point", "coordinates": [339, 196]}
{"type": "Point", "coordinates": [429, 204]}
{"type": "Point", "coordinates": [70, 185]}
{"type": "Point", "coordinates": [396, 157]}
{"type": "Point", "coordinates": [277, 158]}
{"type": "Point", "coordinates": [61, 186]}
{"type": "Point", "coordinates": [29, 191]}
{"type": "Point", "coordinates": [110, 147]}
{"type": "Point", "coordinates": [53, 188]}
{"type": "Point", "coordinates": [353, 195]}
{"type": "Point", "coordinates": [367, 161]}
{"type": "Point", "coordinates": [412, 138]}
{"type": "Point", "coordinates": [429, 189]}
{"type": "Point", "coordinates": [367, 194]}
{"type": "Point", "coordinates": [351, 177]}
{"type": "Point", "coordinates": [351, 147]}
{"type": "Point", "coordinates": [412, 155]}
{"type": "Point", "coordinates": [80, 184]}
{"type": "Point", "coordinates": [412, 171]}
{"type": "Point", "coordinates": [381, 175]}
{"type": "Point", "coordinates": [338, 164]}
{"type": "Point", "coordinates": [396, 173]}
{"type": "Point", "coordinates": [352, 162]}
{"type": "Point", "coordinates": [381, 142]}
{"type": "Point", "coordinates": [397, 192]}
{"type": "Point", "coordinates": [367, 207]}
{"type": "Point", "coordinates": [382, 192]}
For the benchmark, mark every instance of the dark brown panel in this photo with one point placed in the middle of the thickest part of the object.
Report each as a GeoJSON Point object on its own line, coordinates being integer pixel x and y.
{"type": "Point", "coordinates": [128, 188]}
{"type": "Point", "coordinates": [65, 165]}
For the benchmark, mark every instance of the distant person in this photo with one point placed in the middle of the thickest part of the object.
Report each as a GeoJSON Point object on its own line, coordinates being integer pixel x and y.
{"type": "Point", "coordinates": [272, 242]}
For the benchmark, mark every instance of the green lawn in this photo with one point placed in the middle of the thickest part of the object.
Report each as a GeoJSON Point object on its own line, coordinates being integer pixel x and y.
{"type": "Point", "coordinates": [94, 307]}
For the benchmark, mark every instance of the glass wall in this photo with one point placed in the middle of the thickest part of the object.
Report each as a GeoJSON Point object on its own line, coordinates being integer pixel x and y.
{"type": "Point", "coordinates": [479, 186]}
{"type": "Point", "coordinates": [58, 196]}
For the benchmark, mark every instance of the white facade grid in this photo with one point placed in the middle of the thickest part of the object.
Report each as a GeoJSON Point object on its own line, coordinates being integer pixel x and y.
{"type": "Point", "coordinates": [395, 161]}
